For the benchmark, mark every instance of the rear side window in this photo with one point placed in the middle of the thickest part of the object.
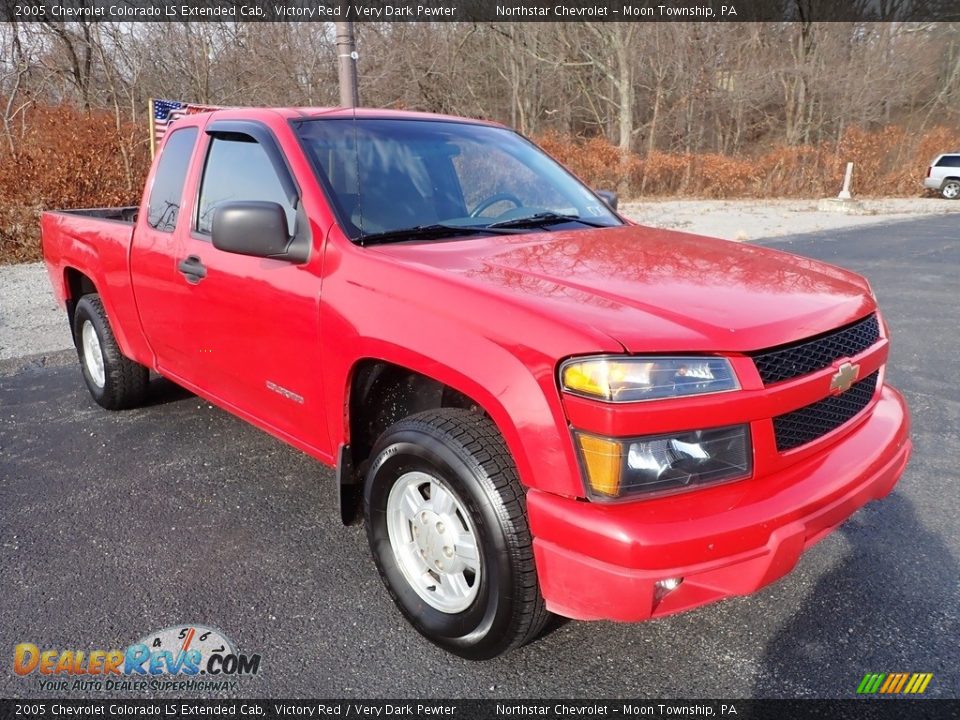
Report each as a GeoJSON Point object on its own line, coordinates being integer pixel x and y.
{"type": "Point", "coordinates": [239, 170]}
{"type": "Point", "coordinates": [167, 190]}
{"type": "Point", "coordinates": [949, 161]}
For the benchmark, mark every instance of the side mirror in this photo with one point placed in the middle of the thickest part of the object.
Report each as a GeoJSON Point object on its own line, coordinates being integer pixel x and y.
{"type": "Point", "coordinates": [253, 227]}
{"type": "Point", "coordinates": [609, 197]}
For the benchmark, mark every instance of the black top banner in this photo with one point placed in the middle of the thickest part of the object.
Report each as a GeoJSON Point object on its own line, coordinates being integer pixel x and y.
{"type": "Point", "coordinates": [893, 709]}
{"type": "Point", "coordinates": [480, 10]}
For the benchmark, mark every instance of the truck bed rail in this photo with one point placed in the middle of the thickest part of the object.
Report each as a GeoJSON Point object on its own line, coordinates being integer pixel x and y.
{"type": "Point", "coordinates": [126, 214]}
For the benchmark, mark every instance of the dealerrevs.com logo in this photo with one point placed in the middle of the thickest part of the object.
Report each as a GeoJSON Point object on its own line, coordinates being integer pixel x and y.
{"type": "Point", "coordinates": [179, 658]}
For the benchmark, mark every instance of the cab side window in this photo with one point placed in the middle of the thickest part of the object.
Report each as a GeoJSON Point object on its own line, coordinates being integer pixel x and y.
{"type": "Point", "coordinates": [239, 169]}
{"type": "Point", "coordinates": [163, 208]}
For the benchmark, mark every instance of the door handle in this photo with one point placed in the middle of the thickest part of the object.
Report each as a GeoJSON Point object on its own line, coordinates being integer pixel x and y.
{"type": "Point", "coordinates": [193, 269]}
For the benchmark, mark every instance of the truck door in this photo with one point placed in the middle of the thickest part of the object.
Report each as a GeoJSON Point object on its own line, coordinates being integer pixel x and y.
{"type": "Point", "coordinates": [252, 324]}
{"type": "Point", "coordinates": [157, 285]}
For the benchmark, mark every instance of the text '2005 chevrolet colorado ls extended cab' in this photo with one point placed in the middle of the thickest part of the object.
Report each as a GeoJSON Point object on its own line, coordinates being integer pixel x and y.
{"type": "Point", "coordinates": [543, 407]}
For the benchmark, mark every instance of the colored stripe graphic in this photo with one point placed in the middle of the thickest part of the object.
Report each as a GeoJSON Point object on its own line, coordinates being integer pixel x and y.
{"type": "Point", "coordinates": [894, 683]}
{"type": "Point", "coordinates": [901, 683]}
{"type": "Point", "coordinates": [870, 683]}
{"type": "Point", "coordinates": [919, 682]}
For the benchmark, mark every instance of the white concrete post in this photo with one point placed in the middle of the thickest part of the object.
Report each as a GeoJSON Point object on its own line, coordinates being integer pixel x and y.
{"type": "Point", "coordinates": [847, 177]}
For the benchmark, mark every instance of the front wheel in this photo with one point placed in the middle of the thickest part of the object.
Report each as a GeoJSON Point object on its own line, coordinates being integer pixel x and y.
{"type": "Point", "coordinates": [951, 189]}
{"type": "Point", "coordinates": [446, 521]}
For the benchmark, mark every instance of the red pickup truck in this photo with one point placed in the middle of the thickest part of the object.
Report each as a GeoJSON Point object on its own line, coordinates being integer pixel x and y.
{"type": "Point", "coordinates": [540, 406]}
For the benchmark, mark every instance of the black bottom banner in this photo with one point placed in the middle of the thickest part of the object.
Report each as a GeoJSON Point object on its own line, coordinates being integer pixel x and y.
{"type": "Point", "coordinates": [892, 709]}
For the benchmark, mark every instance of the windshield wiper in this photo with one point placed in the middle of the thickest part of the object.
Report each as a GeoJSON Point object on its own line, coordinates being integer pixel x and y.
{"type": "Point", "coordinates": [544, 218]}
{"type": "Point", "coordinates": [436, 230]}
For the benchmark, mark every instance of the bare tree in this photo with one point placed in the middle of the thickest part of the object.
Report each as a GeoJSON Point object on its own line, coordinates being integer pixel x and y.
{"type": "Point", "coordinates": [646, 87]}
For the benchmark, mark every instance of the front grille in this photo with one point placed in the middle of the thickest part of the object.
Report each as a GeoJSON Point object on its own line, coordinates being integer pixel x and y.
{"type": "Point", "coordinates": [808, 423]}
{"type": "Point", "coordinates": [814, 354]}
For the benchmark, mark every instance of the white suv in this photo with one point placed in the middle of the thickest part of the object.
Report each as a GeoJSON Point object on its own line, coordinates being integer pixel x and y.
{"type": "Point", "coordinates": [943, 175]}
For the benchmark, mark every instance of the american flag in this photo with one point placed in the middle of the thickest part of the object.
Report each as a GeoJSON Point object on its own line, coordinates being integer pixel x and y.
{"type": "Point", "coordinates": [166, 111]}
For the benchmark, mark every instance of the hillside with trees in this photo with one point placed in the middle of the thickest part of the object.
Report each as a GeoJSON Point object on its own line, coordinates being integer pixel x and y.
{"type": "Point", "coordinates": [650, 109]}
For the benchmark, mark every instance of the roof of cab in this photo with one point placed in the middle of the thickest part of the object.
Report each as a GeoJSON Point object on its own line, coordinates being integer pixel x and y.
{"type": "Point", "coordinates": [305, 113]}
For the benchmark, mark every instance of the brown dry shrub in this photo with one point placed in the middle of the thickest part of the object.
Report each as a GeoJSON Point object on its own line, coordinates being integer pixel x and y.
{"type": "Point", "coordinates": [789, 171]}
{"type": "Point", "coordinates": [874, 156]}
{"type": "Point", "coordinates": [65, 158]}
{"type": "Point", "coordinates": [889, 161]}
{"type": "Point", "coordinates": [661, 174]}
{"type": "Point", "coordinates": [596, 161]}
{"type": "Point", "coordinates": [720, 176]}
{"type": "Point", "coordinates": [19, 233]}
{"type": "Point", "coordinates": [936, 141]}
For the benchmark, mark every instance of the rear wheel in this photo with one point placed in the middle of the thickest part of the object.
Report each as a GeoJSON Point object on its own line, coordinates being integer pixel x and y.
{"type": "Point", "coordinates": [114, 381]}
{"type": "Point", "coordinates": [951, 189]}
{"type": "Point", "coordinates": [446, 521]}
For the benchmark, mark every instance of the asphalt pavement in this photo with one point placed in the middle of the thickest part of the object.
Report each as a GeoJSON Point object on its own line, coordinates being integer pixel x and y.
{"type": "Point", "coordinates": [113, 525]}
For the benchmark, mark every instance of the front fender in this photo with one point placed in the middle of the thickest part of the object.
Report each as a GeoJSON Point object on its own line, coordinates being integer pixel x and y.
{"type": "Point", "coordinates": [523, 404]}
{"type": "Point", "coordinates": [500, 355]}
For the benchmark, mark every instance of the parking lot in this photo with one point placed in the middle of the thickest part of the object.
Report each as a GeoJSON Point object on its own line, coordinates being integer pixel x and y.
{"type": "Point", "coordinates": [114, 525]}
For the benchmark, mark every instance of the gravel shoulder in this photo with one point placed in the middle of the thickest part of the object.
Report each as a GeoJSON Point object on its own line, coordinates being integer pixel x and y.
{"type": "Point", "coordinates": [754, 219]}
{"type": "Point", "coordinates": [31, 323]}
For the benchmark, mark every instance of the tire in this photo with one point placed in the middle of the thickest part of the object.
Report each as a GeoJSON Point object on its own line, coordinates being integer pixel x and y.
{"type": "Point", "coordinates": [950, 189]}
{"type": "Point", "coordinates": [456, 465]}
{"type": "Point", "coordinates": [114, 381]}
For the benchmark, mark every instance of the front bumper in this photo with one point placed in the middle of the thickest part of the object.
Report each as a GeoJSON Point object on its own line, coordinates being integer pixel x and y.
{"type": "Point", "coordinates": [600, 561]}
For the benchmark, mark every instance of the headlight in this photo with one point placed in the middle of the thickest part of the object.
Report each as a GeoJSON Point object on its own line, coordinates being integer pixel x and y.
{"type": "Point", "coordinates": [618, 467]}
{"type": "Point", "coordinates": [629, 379]}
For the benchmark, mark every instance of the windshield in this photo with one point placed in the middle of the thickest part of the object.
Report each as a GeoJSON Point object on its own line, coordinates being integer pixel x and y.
{"type": "Point", "coordinates": [386, 176]}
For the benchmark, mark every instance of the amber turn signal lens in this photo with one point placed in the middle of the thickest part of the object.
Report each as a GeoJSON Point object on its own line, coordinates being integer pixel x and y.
{"type": "Point", "coordinates": [619, 468]}
{"type": "Point", "coordinates": [603, 460]}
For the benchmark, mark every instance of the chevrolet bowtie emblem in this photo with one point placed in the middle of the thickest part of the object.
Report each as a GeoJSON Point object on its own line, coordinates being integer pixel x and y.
{"type": "Point", "coordinates": [845, 376]}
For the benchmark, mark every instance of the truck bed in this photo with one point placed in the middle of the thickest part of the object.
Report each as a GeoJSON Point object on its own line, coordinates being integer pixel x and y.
{"type": "Point", "coordinates": [94, 243]}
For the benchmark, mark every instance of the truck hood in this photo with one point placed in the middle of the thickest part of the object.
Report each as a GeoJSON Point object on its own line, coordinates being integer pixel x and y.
{"type": "Point", "coordinates": [655, 290]}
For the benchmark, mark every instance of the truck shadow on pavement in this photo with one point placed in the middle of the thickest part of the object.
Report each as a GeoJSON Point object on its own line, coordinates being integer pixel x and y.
{"type": "Point", "coordinates": [888, 606]}
{"type": "Point", "coordinates": [161, 391]}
